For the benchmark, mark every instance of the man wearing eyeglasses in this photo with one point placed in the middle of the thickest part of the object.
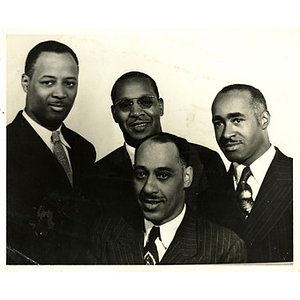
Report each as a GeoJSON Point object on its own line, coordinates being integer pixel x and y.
{"type": "Point", "coordinates": [137, 108]}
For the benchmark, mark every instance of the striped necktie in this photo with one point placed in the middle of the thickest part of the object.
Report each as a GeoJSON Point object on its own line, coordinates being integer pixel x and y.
{"type": "Point", "coordinates": [244, 193]}
{"type": "Point", "coordinates": [60, 155]}
{"type": "Point", "coordinates": [150, 250]}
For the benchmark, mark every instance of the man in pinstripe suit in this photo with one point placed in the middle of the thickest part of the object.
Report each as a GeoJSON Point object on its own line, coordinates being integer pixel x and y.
{"type": "Point", "coordinates": [241, 119]}
{"type": "Point", "coordinates": [162, 173]}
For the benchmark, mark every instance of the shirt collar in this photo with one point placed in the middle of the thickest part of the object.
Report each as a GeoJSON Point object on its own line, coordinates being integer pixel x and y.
{"type": "Point", "coordinates": [259, 167]}
{"type": "Point", "coordinates": [130, 151]}
{"type": "Point", "coordinates": [167, 230]}
{"type": "Point", "coordinates": [43, 132]}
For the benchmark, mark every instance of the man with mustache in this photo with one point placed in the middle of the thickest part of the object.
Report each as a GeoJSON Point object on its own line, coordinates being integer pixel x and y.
{"type": "Point", "coordinates": [168, 232]}
{"type": "Point", "coordinates": [259, 201]}
{"type": "Point", "coordinates": [47, 218]}
{"type": "Point", "coordinates": [137, 109]}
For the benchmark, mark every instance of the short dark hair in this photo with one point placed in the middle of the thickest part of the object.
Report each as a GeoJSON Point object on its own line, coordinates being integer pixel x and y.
{"type": "Point", "coordinates": [47, 46]}
{"type": "Point", "coordinates": [133, 75]}
{"type": "Point", "coordinates": [258, 99]}
{"type": "Point", "coordinates": [181, 144]}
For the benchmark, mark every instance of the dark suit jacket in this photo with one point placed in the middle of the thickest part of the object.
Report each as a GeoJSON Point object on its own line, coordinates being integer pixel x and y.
{"type": "Point", "coordinates": [197, 241]}
{"type": "Point", "coordinates": [112, 186]}
{"type": "Point", "coordinates": [45, 216]}
{"type": "Point", "coordinates": [268, 231]}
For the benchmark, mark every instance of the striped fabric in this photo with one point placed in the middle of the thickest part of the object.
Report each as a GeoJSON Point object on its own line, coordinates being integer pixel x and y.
{"type": "Point", "coordinates": [268, 231]}
{"type": "Point", "coordinates": [197, 241]}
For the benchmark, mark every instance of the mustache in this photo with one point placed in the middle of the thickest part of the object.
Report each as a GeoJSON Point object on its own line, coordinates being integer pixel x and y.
{"type": "Point", "coordinates": [149, 197]}
{"type": "Point", "coordinates": [228, 141]}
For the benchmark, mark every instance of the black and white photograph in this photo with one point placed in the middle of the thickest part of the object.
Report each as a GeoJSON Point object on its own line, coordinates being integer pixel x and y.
{"type": "Point", "coordinates": [150, 150]}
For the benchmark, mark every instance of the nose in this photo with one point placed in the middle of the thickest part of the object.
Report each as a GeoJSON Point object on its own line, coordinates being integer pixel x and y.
{"type": "Point", "coordinates": [227, 131]}
{"type": "Point", "coordinates": [136, 110]}
{"type": "Point", "coordinates": [59, 92]}
{"type": "Point", "coordinates": [150, 185]}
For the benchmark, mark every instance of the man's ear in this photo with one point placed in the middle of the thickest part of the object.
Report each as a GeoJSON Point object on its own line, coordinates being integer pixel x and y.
{"type": "Point", "coordinates": [24, 82]}
{"type": "Point", "coordinates": [188, 176]}
{"type": "Point", "coordinates": [113, 112]}
{"type": "Point", "coordinates": [161, 106]}
{"type": "Point", "coordinates": [265, 119]}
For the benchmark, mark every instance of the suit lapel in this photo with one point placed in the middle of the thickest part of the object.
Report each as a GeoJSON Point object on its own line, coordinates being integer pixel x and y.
{"type": "Point", "coordinates": [273, 199]}
{"type": "Point", "coordinates": [184, 244]}
{"type": "Point", "coordinates": [126, 246]}
{"type": "Point", "coordinates": [34, 153]}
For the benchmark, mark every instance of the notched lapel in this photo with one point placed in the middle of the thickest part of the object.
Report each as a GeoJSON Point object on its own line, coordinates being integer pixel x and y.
{"type": "Point", "coordinates": [274, 198]}
{"type": "Point", "coordinates": [127, 248]}
{"type": "Point", "coordinates": [184, 245]}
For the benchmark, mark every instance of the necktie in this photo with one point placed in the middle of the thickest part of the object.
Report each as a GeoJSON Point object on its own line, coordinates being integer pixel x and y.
{"type": "Point", "coordinates": [150, 250]}
{"type": "Point", "coordinates": [244, 193]}
{"type": "Point", "coordinates": [61, 156]}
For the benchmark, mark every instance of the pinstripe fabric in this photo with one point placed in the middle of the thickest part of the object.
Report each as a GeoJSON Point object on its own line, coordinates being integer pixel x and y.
{"type": "Point", "coordinates": [197, 241]}
{"type": "Point", "coordinates": [268, 231]}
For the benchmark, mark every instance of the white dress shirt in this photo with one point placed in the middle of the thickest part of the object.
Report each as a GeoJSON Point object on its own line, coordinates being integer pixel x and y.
{"type": "Point", "coordinates": [167, 233]}
{"type": "Point", "coordinates": [131, 152]}
{"type": "Point", "coordinates": [258, 168]}
{"type": "Point", "coordinates": [45, 134]}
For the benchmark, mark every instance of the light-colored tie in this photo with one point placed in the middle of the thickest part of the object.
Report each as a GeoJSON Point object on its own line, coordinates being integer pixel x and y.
{"type": "Point", "coordinates": [60, 155]}
{"type": "Point", "coordinates": [244, 193]}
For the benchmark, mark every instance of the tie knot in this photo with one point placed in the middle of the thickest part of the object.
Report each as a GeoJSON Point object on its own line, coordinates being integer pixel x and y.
{"type": "Point", "coordinates": [154, 234]}
{"type": "Point", "coordinates": [246, 174]}
{"type": "Point", "coordinates": [55, 136]}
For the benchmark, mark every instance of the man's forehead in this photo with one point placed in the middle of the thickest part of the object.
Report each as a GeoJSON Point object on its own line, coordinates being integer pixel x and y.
{"type": "Point", "coordinates": [157, 154]}
{"type": "Point", "coordinates": [233, 101]}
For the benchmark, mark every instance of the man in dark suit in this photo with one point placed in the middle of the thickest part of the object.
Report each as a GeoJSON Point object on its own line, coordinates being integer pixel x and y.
{"type": "Point", "coordinates": [259, 205]}
{"type": "Point", "coordinates": [169, 232]}
{"type": "Point", "coordinates": [47, 217]}
{"type": "Point", "coordinates": [137, 108]}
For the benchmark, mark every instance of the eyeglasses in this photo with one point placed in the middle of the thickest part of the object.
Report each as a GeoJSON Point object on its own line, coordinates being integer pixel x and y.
{"type": "Point", "coordinates": [144, 102]}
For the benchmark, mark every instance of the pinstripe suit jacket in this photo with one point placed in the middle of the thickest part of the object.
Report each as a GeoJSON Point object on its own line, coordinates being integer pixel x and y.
{"type": "Point", "coordinates": [197, 241]}
{"type": "Point", "coordinates": [268, 231]}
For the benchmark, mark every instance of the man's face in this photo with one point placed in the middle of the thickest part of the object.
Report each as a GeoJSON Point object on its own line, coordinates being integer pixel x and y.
{"type": "Point", "coordinates": [239, 132]}
{"type": "Point", "coordinates": [52, 89]}
{"type": "Point", "coordinates": [137, 122]}
{"type": "Point", "coordinates": [159, 181]}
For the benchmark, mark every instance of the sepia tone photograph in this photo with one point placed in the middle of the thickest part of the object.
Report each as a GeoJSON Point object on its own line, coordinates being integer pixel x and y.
{"type": "Point", "coordinates": [167, 147]}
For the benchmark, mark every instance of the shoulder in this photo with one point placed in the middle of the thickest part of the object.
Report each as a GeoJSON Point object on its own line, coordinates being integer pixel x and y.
{"type": "Point", "coordinates": [282, 165]}
{"type": "Point", "coordinates": [115, 157]}
{"type": "Point", "coordinates": [110, 226]}
{"type": "Point", "coordinates": [16, 125]}
{"type": "Point", "coordinates": [209, 158]}
{"type": "Point", "coordinates": [204, 152]}
{"type": "Point", "coordinates": [74, 138]}
{"type": "Point", "coordinates": [215, 232]}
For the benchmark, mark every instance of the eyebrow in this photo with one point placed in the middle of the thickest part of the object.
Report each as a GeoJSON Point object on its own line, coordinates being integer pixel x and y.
{"type": "Point", "coordinates": [128, 98]}
{"type": "Point", "coordinates": [157, 169]}
{"type": "Point", "coordinates": [54, 77]}
{"type": "Point", "coordinates": [228, 116]}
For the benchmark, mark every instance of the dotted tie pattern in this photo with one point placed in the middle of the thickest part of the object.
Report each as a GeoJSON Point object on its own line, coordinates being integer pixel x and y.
{"type": "Point", "coordinates": [61, 156]}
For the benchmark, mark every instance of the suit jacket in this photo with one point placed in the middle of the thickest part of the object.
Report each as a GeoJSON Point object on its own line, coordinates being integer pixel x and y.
{"type": "Point", "coordinates": [46, 217]}
{"type": "Point", "coordinates": [117, 241]}
{"type": "Point", "coordinates": [112, 186]}
{"type": "Point", "coordinates": [268, 231]}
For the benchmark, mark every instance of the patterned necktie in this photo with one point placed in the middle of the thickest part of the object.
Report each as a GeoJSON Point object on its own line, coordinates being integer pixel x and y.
{"type": "Point", "coordinates": [60, 155]}
{"type": "Point", "coordinates": [150, 250]}
{"type": "Point", "coordinates": [244, 193]}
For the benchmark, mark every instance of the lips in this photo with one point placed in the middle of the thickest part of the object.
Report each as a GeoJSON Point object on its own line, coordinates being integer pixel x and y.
{"type": "Point", "coordinates": [57, 107]}
{"type": "Point", "coordinates": [231, 146]}
{"type": "Point", "coordinates": [151, 204]}
{"type": "Point", "coordinates": [139, 126]}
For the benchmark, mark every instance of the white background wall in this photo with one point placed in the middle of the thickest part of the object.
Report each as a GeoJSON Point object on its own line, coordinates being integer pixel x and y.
{"type": "Point", "coordinates": [189, 66]}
